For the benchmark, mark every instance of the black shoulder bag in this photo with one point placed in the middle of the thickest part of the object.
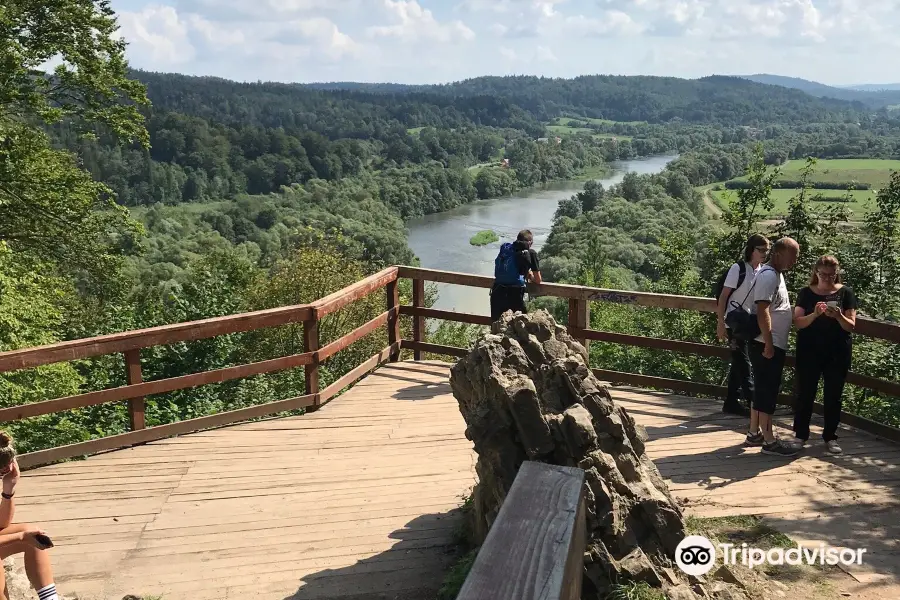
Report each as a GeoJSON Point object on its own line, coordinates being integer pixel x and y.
{"type": "Point", "coordinates": [743, 324]}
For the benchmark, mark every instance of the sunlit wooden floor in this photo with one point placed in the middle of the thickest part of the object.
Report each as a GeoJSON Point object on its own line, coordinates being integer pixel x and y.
{"type": "Point", "coordinates": [359, 500]}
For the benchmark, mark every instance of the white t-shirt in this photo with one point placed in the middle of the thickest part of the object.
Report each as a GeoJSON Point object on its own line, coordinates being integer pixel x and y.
{"type": "Point", "coordinates": [770, 288]}
{"type": "Point", "coordinates": [741, 294]}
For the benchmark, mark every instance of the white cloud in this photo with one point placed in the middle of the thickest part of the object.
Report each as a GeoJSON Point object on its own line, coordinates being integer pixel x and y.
{"type": "Point", "coordinates": [415, 23]}
{"type": "Point", "coordinates": [158, 32]}
{"type": "Point", "coordinates": [612, 23]}
{"type": "Point", "coordinates": [508, 53]}
{"type": "Point", "coordinates": [835, 41]}
{"type": "Point", "coordinates": [545, 54]}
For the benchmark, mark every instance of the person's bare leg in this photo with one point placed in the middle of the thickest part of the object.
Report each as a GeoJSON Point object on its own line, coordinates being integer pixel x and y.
{"type": "Point", "coordinates": [37, 562]}
{"type": "Point", "coordinates": [4, 593]}
{"type": "Point", "coordinates": [765, 424]}
{"type": "Point", "coordinates": [754, 421]}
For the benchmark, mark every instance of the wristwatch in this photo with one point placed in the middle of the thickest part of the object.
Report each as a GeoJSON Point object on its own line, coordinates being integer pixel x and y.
{"type": "Point", "coordinates": [8, 496]}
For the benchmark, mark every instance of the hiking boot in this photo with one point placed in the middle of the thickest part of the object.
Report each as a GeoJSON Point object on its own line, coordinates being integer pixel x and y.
{"type": "Point", "coordinates": [833, 447]}
{"type": "Point", "coordinates": [777, 448]}
{"type": "Point", "coordinates": [755, 439]}
{"type": "Point", "coordinates": [736, 409]}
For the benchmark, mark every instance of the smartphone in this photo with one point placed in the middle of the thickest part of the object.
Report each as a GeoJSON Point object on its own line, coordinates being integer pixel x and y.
{"type": "Point", "coordinates": [832, 304]}
{"type": "Point", "coordinates": [44, 540]}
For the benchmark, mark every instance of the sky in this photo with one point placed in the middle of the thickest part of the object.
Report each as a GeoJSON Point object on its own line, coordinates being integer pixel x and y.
{"type": "Point", "coordinates": [837, 42]}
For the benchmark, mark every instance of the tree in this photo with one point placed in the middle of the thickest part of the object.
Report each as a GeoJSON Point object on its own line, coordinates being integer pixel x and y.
{"type": "Point", "coordinates": [746, 208]}
{"type": "Point", "coordinates": [90, 85]}
{"type": "Point", "coordinates": [47, 203]}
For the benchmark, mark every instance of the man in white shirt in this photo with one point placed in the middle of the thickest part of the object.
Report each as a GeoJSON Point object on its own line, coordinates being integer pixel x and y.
{"type": "Point", "coordinates": [736, 292]}
{"type": "Point", "coordinates": [768, 351]}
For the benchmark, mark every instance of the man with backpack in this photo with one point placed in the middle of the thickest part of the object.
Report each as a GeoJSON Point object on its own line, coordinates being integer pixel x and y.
{"type": "Point", "coordinates": [516, 264]}
{"type": "Point", "coordinates": [734, 292]}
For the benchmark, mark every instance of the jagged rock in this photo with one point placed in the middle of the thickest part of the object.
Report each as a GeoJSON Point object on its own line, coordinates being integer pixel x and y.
{"type": "Point", "coordinates": [726, 591]}
{"type": "Point", "coordinates": [526, 393]}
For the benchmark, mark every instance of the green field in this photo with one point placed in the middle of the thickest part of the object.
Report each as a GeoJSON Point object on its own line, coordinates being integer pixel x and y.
{"type": "Point", "coordinates": [564, 120]}
{"type": "Point", "coordinates": [874, 171]}
{"type": "Point", "coordinates": [861, 200]}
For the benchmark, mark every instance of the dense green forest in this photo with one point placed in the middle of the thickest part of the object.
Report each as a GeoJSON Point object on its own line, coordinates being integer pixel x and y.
{"type": "Point", "coordinates": [131, 199]}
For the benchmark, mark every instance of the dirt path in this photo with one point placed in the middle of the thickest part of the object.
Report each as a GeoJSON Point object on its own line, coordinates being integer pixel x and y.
{"type": "Point", "coordinates": [711, 205]}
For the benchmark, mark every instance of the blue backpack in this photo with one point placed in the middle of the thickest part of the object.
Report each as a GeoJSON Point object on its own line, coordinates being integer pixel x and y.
{"type": "Point", "coordinates": [506, 267]}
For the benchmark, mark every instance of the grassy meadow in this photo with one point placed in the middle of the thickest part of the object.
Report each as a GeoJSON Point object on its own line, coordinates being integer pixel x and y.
{"type": "Point", "coordinates": [874, 172]}
{"type": "Point", "coordinates": [861, 200]}
{"type": "Point", "coordinates": [558, 126]}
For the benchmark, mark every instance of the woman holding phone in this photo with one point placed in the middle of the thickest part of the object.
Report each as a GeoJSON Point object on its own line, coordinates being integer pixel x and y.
{"type": "Point", "coordinates": [22, 538]}
{"type": "Point", "coordinates": [825, 316]}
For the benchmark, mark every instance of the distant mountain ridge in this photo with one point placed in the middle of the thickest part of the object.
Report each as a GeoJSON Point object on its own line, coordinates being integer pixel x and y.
{"type": "Point", "coordinates": [872, 95]}
{"type": "Point", "coordinates": [873, 87]}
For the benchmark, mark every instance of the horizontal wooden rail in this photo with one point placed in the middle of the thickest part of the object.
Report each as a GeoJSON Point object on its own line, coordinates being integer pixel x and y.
{"type": "Point", "coordinates": [447, 315]}
{"type": "Point", "coordinates": [623, 339]}
{"type": "Point", "coordinates": [864, 326]}
{"type": "Point", "coordinates": [535, 548]}
{"type": "Point", "coordinates": [148, 388]}
{"type": "Point", "coordinates": [654, 343]}
{"type": "Point", "coordinates": [42, 457]}
{"type": "Point", "coordinates": [155, 336]}
{"type": "Point", "coordinates": [360, 289]}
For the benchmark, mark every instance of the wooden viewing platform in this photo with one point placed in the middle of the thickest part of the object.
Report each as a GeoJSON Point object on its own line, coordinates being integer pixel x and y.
{"type": "Point", "coordinates": [358, 499]}
{"type": "Point", "coordinates": [361, 497]}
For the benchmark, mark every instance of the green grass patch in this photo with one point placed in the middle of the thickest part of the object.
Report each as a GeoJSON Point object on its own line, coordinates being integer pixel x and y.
{"type": "Point", "coordinates": [739, 529]}
{"type": "Point", "coordinates": [862, 200]}
{"type": "Point", "coordinates": [483, 238]}
{"type": "Point", "coordinates": [635, 591]}
{"type": "Point", "coordinates": [874, 171]}
{"type": "Point", "coordinates": [455, 579]}
{"type": "Point", "coordinates": [595, 172]}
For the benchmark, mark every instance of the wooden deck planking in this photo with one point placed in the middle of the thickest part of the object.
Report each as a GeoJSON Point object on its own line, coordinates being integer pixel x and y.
{"type": "Point", "coordinates": [318, 506]}
{"type": "Point", "coordinates": [359, 497]}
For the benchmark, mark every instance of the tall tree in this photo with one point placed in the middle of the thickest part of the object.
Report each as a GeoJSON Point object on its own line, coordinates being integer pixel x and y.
{"type": "Point", "coordinates": [48, 205]}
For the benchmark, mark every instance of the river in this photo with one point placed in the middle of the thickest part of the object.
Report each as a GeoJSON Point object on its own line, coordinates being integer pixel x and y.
{"type": "Point", "coordinates": [441, 241]}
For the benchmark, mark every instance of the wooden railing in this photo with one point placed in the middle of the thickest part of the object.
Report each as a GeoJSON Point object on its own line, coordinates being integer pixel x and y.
{"type": "Point", "coordinates": [535, 547]}
{"type": "Point", "coordinates": [580, 299]}
{"type": "Point", "coordinates": [131, 344]}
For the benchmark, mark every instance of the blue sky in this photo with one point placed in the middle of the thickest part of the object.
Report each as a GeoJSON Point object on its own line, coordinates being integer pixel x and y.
{"type": "Point", "coordinates": [432, 41]}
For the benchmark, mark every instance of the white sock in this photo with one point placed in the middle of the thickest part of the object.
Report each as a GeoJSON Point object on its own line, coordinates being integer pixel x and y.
{"type": "Point", "coordinates": [48, 592]}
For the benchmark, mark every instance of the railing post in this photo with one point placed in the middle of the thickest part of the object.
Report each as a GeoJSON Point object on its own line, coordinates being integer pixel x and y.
{"type": "Point", "coordinates": [418, 322]}
{"type": "Point", "coordinates": [579, 318]}
{"type": "Point", "coordinates": [311, 344]}
{"type": "Point", "coordinates": [136, 406]}
{"type": "Point", "coordinates": [393, 324]}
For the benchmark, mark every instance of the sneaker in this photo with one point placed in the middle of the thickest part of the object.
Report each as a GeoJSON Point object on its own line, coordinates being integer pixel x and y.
{"type": "Point", "coordinates": [755, 439]}
{"type": "Point", "coordinates": [797, 443]}
{"type": "Point", "coordinates": [833, 447]}
{"type": "Point", "coordinates": [736, 409]}
{"type": "Point", "coordinates": [777, 448]}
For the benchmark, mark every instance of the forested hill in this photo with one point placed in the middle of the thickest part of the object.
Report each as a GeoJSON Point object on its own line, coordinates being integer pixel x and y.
{"type": "Point", "coordinates": [874, 98]}
{"type": "Point", "coordinates": [515, 101]}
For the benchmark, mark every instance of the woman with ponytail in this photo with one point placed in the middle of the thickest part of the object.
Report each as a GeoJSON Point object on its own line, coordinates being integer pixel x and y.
{"type": "Point", "coordinates": [21, 538]}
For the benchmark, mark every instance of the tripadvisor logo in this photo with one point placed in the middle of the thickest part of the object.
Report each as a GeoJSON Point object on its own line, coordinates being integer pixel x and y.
{"type": "Point", "coordinates": [696, 555]}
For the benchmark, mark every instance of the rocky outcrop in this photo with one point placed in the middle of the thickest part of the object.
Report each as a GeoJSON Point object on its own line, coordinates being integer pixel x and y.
{"type": "Point", "coordinates": [526, 393]}
{"type": "Point", "coordinates": [17, 584]}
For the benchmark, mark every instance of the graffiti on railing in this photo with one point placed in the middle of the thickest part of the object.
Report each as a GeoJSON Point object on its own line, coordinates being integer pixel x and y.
{"type": "Point", "coordinates": [617, 297]}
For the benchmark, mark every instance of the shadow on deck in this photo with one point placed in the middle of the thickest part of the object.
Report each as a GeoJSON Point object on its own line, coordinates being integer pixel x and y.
{"type": "Point", "coordinates": [359, 501]}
